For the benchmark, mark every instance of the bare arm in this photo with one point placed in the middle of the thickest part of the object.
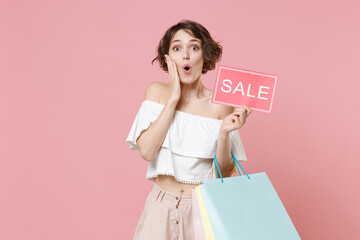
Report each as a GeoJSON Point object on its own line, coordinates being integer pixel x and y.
{"type": "Point", "coordinates": [223, 151]}
{"type": "Point", "coordinates": [150, 140]}
{"type": "Point", "coordinates": [234, 119]}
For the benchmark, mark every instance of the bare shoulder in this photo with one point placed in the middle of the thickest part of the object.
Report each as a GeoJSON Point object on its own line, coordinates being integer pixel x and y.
{"type": "Point", "coordinates": [153, 91]}
{"type": "Point", "coordinates": [224, 110]}
{"type": "Point", "coordinates": [221, 110]}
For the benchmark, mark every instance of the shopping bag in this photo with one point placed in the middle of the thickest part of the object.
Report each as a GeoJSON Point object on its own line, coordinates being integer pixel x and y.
{"type": "Point", "coordinates": [245, 207]}
{"type": "Point", "coordinates": [198, 228]}
{"type": "Point", "coordinates": [205, 221]}
{"type": "Point", "coordinates": [202, 225]}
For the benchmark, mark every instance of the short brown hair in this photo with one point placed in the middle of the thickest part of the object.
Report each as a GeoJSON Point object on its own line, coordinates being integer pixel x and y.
{"type": "Point", "coordinates": [211, 50]}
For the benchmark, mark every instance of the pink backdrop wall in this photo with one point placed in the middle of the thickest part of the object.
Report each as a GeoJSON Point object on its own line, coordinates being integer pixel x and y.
{"type": "Point", "coordinates": [73, 75]}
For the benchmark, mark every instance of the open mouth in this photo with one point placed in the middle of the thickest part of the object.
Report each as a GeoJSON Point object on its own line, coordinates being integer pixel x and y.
{"type": "Point", "coordinates": [187, 69]}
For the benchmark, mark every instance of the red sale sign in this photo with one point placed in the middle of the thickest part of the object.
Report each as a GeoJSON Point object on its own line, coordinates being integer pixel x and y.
{"type": "Point", "coordinates": [235, 87]}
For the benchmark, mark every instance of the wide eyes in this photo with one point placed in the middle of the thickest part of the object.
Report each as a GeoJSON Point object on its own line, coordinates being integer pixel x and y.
{"type": "Point", "coordinates": [176, 48]}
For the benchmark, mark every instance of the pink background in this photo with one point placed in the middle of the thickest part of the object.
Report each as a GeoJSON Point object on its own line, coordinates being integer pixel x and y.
{"type": "Point", "coordinates": [73, 75]}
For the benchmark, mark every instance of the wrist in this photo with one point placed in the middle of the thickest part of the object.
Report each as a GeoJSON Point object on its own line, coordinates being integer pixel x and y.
{"type": "Point", "coordinates": [173, 101]}
{"type": "Point", "coordinates": [223, 134]}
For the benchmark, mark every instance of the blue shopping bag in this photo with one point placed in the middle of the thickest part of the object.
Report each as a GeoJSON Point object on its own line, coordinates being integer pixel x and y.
{"type": "Point", "coordinates": [246, 207]}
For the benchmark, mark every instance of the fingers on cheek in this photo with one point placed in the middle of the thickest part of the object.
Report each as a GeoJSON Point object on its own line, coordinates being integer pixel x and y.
{"type": "Point", "coordinates": [171, 70]}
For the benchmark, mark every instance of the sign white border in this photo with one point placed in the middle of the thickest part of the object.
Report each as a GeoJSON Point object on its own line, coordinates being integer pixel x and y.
{"type": "Point", "coordinates": [246, 71]}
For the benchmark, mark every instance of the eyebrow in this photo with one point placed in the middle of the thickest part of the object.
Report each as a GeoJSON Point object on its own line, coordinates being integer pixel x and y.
{"type": "Point", "coordinates": [192, 40]}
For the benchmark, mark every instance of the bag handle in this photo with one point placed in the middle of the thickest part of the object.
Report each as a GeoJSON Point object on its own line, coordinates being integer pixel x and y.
{"type": "Point", "coordinates": [216, 165]}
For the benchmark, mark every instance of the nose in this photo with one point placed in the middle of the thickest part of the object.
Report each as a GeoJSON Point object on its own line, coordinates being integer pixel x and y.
{"type": "Point", "coordinates": [186, 55]}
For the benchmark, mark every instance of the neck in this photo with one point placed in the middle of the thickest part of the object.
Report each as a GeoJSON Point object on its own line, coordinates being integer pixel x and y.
{"type": "Point", "coordinates": [191, 92]}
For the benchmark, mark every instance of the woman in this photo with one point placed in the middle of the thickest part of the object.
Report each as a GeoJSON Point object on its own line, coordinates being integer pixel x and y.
{"type": "Point", "coordinates": [178, 130]}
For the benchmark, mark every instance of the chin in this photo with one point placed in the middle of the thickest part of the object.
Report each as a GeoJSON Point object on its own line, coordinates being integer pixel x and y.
{"type": "Point", "coordinates": [187, 81]}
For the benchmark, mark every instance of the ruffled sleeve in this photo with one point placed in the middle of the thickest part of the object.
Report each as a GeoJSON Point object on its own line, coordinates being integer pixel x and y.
{"type": "Point", "coordinates": [145, 116]}
{"type": "Point", "coordinates": [188, 135]}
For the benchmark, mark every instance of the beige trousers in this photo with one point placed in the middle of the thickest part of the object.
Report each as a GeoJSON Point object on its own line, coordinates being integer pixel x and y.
{"type": "Point", "coordinates": [166, 216]}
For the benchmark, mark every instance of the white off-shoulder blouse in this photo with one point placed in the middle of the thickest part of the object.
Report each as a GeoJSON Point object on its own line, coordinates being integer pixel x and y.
{"type": "Point", "coordinates": [188, 149]}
